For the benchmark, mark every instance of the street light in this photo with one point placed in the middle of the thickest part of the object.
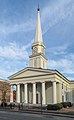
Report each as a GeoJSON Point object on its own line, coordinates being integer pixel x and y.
{"type": "Point", "coordinates": [41, 98]}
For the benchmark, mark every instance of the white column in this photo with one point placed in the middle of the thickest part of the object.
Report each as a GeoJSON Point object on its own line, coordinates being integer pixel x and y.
{"type": "Point", "coordinates": [18, 93]}
{"type": "Point", "coordinates": [11, 94]}
{"type": "Point", "coordinates": [34, 93]}
{"type": "Point", "coordinates": [43, 93]}
{"type": "Point", "coordinates": [54, 92]}
{"type": "Point", "coordinates": [70, 94]}
{"type": "Point", "coordinates": [60, 92]}
{"type": "Point", "coordinates": [26, 93]}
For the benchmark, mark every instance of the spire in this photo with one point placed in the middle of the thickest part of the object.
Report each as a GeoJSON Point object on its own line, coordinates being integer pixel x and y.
{"type": "Point", "coordinates": [38, 36]}
{"type": "Point", "coordinates": [38, 8]}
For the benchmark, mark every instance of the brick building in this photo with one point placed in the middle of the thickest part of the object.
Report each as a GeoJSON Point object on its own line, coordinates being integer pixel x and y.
{"type": "Point", "coordinates": [4, 87]}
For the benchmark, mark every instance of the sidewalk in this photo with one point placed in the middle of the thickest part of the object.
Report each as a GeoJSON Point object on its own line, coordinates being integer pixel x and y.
{"type": "Point", "coordinates": [69, 111]}
{"type": "Point", "coordinates": [65, 112]}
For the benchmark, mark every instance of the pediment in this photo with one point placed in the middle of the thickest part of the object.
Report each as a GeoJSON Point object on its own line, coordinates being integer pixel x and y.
{"type": "Point", "coordinates": [29, 72]}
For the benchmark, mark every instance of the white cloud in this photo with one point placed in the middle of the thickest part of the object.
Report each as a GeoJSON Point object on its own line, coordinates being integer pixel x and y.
{"type": "Point", "coordinates": [56, 12]}
{"type": "Point", "coordinates": [64, 65]}
{"type": "Point", "coordinates": [11, 67]}
{"type": "Point", "coordinates": [14, 51]}
{"type": "Point", "coordinates": [70, 56]}
{"type": "Point", "coordinates": [70, 78]}
{"type": "Point", "coordinates": [59, 63]}
{"type": "Point", "coordinates": [58, 50]}
{"type": "Point", "coordinates": [51, 14]}
{"type": "Point", "coordinates": [13, 55]}
{"type": "Point", "coordinates": [4, 73]}
{"type": "Point", "coordinates": [29, 44]}
{"type": "Point", "coordinates": [7, 28]}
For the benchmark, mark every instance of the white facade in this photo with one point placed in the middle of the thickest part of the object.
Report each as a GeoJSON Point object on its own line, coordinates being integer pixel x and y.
{"type": "Point", "coordinates": [37, 83]}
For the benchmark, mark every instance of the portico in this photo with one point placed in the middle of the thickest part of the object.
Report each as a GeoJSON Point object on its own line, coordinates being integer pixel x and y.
{"type": "Point", "coordinates": [34, 92]}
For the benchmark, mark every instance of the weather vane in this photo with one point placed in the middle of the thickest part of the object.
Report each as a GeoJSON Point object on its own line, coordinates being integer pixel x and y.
{"type": "Point", "coordinates": [38, 8]}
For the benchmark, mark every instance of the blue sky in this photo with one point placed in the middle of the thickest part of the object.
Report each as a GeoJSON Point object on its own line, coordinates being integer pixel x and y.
{"type": "Point", "coordinates": [17, 31]}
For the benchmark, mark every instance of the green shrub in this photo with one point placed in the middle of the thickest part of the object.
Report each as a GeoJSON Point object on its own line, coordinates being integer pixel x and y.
{"type": "Point", "coordinates": [3, 104]}
{"type": "Point", "coordinates": [66, 104]}
{"type": "Point", "coordinates": [69, 104]}
{"type": "Point", "coordinates": [57, 106]}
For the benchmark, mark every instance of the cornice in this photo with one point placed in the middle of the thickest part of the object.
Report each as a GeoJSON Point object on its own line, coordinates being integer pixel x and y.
{"type": "Point", "coordinates": [46, 73]}
{"type": "Point", "coordinates": [38, 54]}
{"type": "Point", "coordinates": [32, 76]}
{"type": "Point", "coordinates": [38, 44]}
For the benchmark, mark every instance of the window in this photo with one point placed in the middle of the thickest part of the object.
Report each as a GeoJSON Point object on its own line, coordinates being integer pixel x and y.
{"type": "Point", "coordinates": [43, 64]}
{"type": "Point", "coordinates": [42, 50]}
{"type": "Point", "coordinates": [62, 98]}
{"type": "Point", "coordinates": [62, 85]}
{"type": "Point", "coordinates": [66, 87]}
{"type": "Point", "coordinates": [35, 50]}
{"type": "Point", "coordinates": [35, 63]}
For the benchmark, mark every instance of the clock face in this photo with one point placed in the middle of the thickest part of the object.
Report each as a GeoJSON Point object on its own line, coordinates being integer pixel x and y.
{"type": "Point", "coordinates": [35, 50]}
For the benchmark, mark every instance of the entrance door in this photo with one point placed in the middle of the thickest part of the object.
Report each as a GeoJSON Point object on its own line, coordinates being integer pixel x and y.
{"type": "Point", "coordinates": [37, 98]}
{"type": "Point", "coordinates": [62, 98]}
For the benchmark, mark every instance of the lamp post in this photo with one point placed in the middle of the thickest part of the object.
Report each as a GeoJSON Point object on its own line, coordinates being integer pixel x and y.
{"type": "Point", "coordinates": [41, 98]}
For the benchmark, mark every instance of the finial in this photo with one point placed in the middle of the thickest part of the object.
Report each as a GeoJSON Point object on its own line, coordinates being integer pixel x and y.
{"type": "Point", "coordinates": [38, 8]}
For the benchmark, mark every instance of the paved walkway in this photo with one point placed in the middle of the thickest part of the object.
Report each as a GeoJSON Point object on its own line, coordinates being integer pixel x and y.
{"type": "Point", "coordinates": [65, 112]}
{"type": "Point", "coordinates": [69, 109]}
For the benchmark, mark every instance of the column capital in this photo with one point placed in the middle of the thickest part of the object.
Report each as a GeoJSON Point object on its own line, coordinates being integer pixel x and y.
{"type": "Point", "coordinates": [18, 84]}
{"type": "Point", "coordinates": [60, 82]}
{"type": "Point", "coordinates": [53, 81]}
{"type": "Point", "coordinates": [25, 83]}
{"type": "Point", "coordinates": [43, 81]}
{"type": "Point", "coordinates": [33, 82]}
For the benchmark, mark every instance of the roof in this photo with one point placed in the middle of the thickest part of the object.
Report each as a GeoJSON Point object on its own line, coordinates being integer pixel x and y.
{"type": "Point", "coordinates": [39, 70]}
{"type": "Point", "coordinates": [72, 81]}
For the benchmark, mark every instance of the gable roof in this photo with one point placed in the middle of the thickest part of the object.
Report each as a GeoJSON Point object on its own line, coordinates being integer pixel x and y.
{"type": "Point", "coordinates": [30, 71]}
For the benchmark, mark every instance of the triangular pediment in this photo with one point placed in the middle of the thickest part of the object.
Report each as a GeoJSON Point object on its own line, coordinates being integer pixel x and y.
{"type": "Point", "coordinates": [29, 72]}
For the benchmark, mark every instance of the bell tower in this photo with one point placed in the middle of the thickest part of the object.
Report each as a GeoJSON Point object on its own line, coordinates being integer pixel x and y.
{"type": "Point", "coordinates": [38, 58]}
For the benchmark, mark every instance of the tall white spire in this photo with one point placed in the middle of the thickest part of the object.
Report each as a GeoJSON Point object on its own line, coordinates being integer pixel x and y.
{"type": "Point", "coordinates": [38, 58]}
{"type": "Point", "coordinates": [38, 36]}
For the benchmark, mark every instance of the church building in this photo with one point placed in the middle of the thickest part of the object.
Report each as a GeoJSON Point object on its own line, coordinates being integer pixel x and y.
{"type": "Point", "coordinates": [37, 83]}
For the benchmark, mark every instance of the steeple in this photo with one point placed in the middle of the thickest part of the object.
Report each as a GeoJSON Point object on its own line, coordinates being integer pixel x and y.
{"type": "Point", "coordinates": [38, 36]}
{"type": "Point", "coordinates": [38, 58]}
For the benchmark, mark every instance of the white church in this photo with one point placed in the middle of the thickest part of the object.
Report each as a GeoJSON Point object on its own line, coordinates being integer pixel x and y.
{"type": "Point", "coordinates": [37, 82]}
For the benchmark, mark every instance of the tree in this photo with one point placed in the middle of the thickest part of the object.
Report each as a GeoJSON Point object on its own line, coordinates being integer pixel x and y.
{"type": "Point", "coordinates": [4, 87]}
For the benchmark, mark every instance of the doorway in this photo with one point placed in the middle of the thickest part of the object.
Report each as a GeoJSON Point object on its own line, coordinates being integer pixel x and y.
{"type": "Point", "coordinates": [36, 98]}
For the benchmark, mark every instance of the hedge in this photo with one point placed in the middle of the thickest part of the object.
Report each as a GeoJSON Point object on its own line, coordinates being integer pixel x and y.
{"type": "Point", "coordinates": [57, 106]}
{"type": "Point", "coordinates": [66, 104]}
